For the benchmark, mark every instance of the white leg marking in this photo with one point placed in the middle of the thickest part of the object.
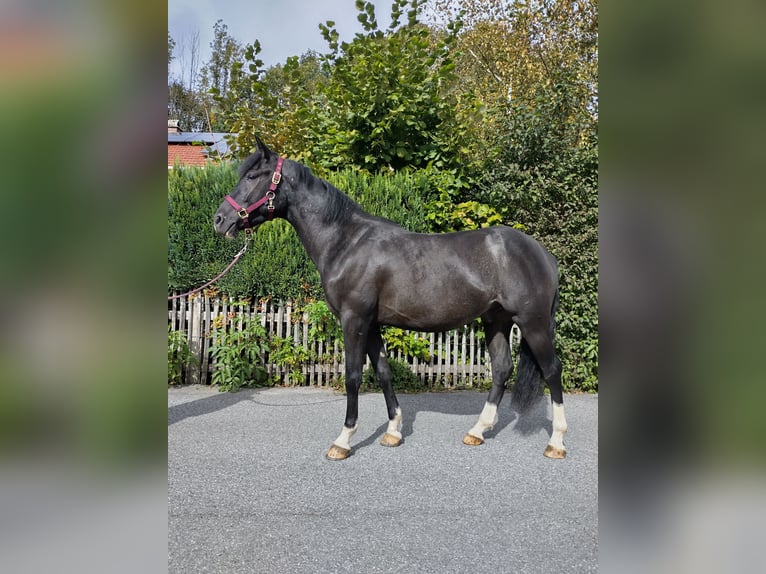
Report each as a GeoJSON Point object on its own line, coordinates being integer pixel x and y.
{"type": "Point", "coordinates": [487, 420]}
{"type": "Point", "coordinates": [395, 424]}
{"type": "Point", "coordinates": [559, 426]}
{"type": "Point", "coordinates": [345, 436]}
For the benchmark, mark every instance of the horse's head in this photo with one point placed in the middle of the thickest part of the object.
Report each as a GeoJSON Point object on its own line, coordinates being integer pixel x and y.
{"type": "Point", "coordinates": [254, 199]}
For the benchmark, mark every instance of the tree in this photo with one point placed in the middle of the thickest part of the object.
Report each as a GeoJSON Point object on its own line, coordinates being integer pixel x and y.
{"type": "Point", "coordinates": [271, 103]}
{"type": "Point", "coordinates": [186, 103]}
{"type": "Point", "coordinates": [516, 54]}
{"type": "Point", "coordinates": [225, 51]}
{"type": "Point", "coordinates": [385, 105]}
{"type": "Point", "coordinates": [215, 77]}
{"type": "Point", "coordinates": [187, 106]}
{"type": "Point", "coordinates": [190, 97]}
{"type": "Point", "coordinates": [383, 101]}
{"type": "Point", "coordinates": [171, 47]}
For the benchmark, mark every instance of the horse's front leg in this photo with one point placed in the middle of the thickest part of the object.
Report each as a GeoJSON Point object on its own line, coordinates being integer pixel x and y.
{"type": "Point", "coordinates": [355, 332]}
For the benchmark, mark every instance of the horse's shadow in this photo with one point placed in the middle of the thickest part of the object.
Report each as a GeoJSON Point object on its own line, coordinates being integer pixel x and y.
{"type": "Point", "coordinates": [534, 419]}
{"type": "Point", "coordinates": [211, 403]}
{"type": "Point", "coordinates": [449, 403]}
{"type": "Point", "coordinates": [206, 405]}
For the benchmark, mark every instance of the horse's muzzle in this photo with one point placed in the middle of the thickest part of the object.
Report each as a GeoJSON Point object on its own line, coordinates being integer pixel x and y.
{"type": "Point", "coordinates": [224, 226]}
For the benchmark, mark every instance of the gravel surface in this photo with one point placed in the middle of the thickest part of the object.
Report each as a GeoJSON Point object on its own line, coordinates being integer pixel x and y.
{"type": "Point", "coordinates": [249, 488]}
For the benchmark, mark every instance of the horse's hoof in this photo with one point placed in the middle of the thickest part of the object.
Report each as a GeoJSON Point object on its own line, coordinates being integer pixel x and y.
{"type": "Point", "coordinates": [553, 452]}
{"type": "Point", "coordinates": [390, 440]}
{"type": "Point", "coordinates": [471, 440]}
{"type": "Point", "coordinates": [338, 453]}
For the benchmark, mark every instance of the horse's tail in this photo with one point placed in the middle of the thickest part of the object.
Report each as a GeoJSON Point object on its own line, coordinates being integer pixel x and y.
{"type": "Point", "coordinates": [529, 381]}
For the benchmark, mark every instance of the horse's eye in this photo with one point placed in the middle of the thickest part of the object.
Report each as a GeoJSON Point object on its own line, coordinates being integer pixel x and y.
{"type": "Point", "coordinates": [251, 176]}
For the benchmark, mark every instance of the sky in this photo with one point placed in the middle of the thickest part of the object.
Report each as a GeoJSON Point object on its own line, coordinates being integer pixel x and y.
{"type": "Point", "coordinates": [283, 27]}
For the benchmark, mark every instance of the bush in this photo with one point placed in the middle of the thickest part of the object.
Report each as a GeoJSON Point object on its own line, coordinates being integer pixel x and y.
{"type": "Point", "coordinates": [294, 356]}
{"type": "Point", "coordinates": [407, 342]}
{"type": "Point", "coordinates": [237, 356]}
{"type": "Point", "coordinates": [179, 355]}
{"type": "Point", "coordinates": [324, 325]}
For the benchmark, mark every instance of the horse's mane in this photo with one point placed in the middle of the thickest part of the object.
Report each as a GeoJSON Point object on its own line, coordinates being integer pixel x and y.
{"type": "Point", "coordinates": [338, 207]}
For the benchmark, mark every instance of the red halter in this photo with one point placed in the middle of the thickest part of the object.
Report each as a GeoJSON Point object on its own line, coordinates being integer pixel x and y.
{"type": "Point", "coordinates": [244, 212]}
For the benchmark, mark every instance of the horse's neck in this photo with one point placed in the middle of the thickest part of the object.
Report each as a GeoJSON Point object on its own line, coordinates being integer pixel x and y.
{"type": "Point", "coordinates": [323, 241]}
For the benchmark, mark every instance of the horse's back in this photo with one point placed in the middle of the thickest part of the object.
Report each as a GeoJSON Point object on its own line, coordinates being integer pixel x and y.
{"type": "Point", "coordinates": [502, 251]}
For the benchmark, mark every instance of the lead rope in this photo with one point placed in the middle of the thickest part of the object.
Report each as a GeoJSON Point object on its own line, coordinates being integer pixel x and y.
{"type": "Point", "coordinates": [217, 277]}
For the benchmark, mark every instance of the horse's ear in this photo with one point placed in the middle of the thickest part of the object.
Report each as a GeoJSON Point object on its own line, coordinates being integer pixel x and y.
{"type": "Point", "coordinates": [266, 151]}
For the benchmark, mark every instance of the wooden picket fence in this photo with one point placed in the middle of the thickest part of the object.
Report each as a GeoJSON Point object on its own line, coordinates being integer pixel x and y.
{"type": "Point", "coordinates": [459, 358]}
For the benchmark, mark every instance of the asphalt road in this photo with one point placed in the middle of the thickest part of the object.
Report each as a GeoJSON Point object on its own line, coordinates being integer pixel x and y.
{"type": "Point", "coordinates": [249, 489]}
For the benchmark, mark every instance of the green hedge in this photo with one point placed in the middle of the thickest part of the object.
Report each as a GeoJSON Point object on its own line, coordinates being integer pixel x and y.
{"type": "Point", "coordinates": [276, 264]}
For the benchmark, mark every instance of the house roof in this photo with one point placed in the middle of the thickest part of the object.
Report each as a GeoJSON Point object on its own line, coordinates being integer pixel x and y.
{"type": "Point", "coordinates": [215, 140]}
{"type": "Point", "coordinates": [194, 148]}
{"type": "Point", "coordinates": [191, 137]}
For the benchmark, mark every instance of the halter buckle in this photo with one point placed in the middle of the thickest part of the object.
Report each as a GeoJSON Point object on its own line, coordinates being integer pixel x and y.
{"type": "Point", "coordinates": [276, 178]}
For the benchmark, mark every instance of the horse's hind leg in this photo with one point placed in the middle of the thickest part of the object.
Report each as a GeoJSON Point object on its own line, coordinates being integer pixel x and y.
{"type": "Point", "coordinates": [540, 343]}
{"type": "Point", "coordinates": [498, 331]}
{"type": "Point", "coordinates": [377, 352]}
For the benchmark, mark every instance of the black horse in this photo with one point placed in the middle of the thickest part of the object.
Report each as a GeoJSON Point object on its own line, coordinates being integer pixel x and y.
{"type": "Point", "coordinates": [376, 273]}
